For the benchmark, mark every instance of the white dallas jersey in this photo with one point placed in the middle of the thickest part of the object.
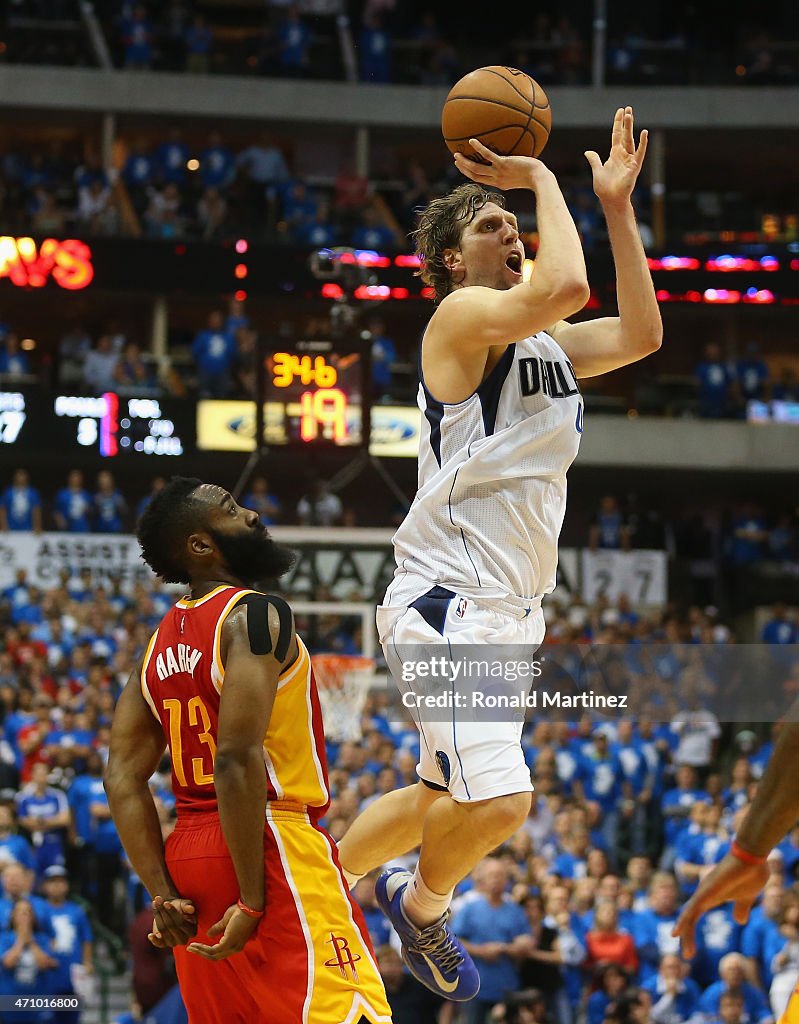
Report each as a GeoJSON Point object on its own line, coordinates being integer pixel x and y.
{"type": "Point", "coordinates": [492, 479]}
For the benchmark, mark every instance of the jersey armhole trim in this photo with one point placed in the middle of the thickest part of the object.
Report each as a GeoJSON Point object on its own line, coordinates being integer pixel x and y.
{"type": "Point", "coordinates": [217, 668]}
{"type": "Point", "coordinates": [303, 659]}
{"type": "Point", "coordinates": [484, 384]}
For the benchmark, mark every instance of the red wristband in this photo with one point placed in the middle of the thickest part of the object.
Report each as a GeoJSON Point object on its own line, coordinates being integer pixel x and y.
{"type": "Point", "coordinates": [248, 910]}
{"type": "Point", "coordinates": [744, 855]}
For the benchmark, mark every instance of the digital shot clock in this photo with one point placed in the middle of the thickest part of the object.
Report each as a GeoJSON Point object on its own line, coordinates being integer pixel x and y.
{"type": "Point", "coordinates": [314, 392]}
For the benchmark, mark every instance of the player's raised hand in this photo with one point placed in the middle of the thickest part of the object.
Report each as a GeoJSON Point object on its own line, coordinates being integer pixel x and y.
{"type": "Point", "coordinates": [503, 172]}
{"type": "Point", "coordinates": [235, 927]}
{"type": "Point", "coordinates": [174, 922]}
{"type": "Point", "coordinates": [615, 180]}
{"type": "Point", "coordinates": [730, 881]}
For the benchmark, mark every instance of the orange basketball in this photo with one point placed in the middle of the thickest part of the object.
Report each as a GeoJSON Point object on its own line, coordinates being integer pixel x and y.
{"type": "Point", "coordinates": [502, 107]}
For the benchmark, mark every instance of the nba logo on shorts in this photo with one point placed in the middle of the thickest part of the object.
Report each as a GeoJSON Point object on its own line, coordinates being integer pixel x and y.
{"type": "Point", "coordinates": [461, 606]}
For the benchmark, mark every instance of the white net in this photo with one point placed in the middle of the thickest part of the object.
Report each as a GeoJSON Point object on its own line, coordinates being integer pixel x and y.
{"type": "Point", "coordinates": [343, 682]}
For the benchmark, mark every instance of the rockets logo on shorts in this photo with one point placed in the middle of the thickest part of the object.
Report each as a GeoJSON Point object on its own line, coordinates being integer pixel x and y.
{"type": "Point", "coordinates": [344, 957]}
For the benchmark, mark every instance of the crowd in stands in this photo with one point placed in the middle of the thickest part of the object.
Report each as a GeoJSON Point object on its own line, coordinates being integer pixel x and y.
{"type": "Point", "coordinates": [574, 912]}
{"type": "Point", "coordinates": [738, 536]}
{"type": "Point", "coordinates": [222, 357]}
{"type": "Point", "coordinates": [573, 915]}
{"type": "Point", "coordinates": [398, 41]}
{"type": "Point", "coordinates": [75, 508]}
{"type": "Point", "coordinates": [109, 362]}
{"type": "Point", "coordinates": [572, 620]}
{"type": "Point", "coordinates": [392, 44]}
{"type": "Point", "coordinates": [220, 187]}
{"type": "Point", "coordinates": [743, 534]}
{"type": "Point", "coordinates": [185, 189]}
{"type": "Point", "coordinates": [173, 189]}
{"type": "Point", "coordinates": [726, 387]}
{"type": "Point", "coordinates": [213, 186]}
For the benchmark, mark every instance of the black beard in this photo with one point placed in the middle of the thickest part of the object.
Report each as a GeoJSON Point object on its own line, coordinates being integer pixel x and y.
{"type": "Point", "coordinates": [254, 557]}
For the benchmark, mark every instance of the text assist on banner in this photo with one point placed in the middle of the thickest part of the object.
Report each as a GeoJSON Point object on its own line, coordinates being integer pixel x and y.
{"type": "Point", "coordinates": [338, 560]}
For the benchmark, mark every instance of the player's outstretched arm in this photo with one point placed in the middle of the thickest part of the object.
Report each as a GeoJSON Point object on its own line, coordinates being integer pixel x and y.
{"type": "Point", "coordinates": [597, 346]}
{"type": "Point", "coordinates": [484, 317]}
{"type": "Point", "coordinates": [137, 743]}
{"type": "Point", "coordinates": [773, 812]}
{"type": "Point", "coordinates": [257, 642]}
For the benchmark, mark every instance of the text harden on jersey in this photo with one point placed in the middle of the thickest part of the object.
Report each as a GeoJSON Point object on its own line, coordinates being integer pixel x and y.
{"type": "Point", "coordinates": [182, 658]}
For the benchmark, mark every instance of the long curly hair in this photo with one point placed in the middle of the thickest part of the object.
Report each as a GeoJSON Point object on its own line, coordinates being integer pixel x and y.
{"type": "Point", "coordinates": [440, 226]}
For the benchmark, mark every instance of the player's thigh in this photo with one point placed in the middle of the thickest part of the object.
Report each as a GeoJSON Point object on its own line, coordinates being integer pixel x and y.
{"type": "Point", "coordinates": [473, 751]}
{"type": "Point", "coordinates": [408, 640]}
{"type": "Point", "coordinates": [200, 866]}
{"type": "Point", "coordinates": [318, 963]}
{"type": "Point", "coordinates": [478, 760]}
{"type": "Point", "coordinates": [275, 979]}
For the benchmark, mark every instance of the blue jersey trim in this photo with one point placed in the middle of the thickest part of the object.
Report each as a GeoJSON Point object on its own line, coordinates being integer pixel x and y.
{"type": "Point", "coordinates": [490, 389]}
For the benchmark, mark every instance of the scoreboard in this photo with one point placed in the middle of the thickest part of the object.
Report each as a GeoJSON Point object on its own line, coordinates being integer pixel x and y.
{"type": "Point", "coordinates": [13, 416]}
{"type": "Point", "coordinates": [114, 425]}
{"type": "Point", "coordinates": [110, 425]}
{"type": "Point", "coordinates": [315, 391]}
{"type": "Point", "coordinates": [314, 398]}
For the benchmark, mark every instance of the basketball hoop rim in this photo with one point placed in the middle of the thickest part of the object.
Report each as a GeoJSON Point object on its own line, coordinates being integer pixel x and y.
{"type": "Point", "coordinates": [330, 668]}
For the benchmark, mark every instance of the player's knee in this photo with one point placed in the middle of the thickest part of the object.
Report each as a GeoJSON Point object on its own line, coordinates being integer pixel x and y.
{"type": "Point", "coordinates": [505, 814]}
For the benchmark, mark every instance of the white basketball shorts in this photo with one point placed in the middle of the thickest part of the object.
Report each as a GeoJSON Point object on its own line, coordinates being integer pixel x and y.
{"type": "Point", "coordinates": [472, 755]}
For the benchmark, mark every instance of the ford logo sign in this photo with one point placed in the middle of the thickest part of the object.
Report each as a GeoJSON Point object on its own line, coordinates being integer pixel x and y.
{"type": "Point", "coordinates": [242, 425]}
{"type": "Point", "coordinates": [392, 431]}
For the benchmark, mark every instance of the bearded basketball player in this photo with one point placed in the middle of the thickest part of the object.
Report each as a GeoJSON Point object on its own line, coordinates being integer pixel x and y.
{"type": "Point", "coordinates": [502, 419]}
{"type": "Point", "coordinates": [227, 685]}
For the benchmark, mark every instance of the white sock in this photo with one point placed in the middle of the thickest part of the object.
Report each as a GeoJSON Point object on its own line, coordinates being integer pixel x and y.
{"type": "Point", "coordinates": [422, 906]}
{"type": "Point", "coordinates": [351, 879]}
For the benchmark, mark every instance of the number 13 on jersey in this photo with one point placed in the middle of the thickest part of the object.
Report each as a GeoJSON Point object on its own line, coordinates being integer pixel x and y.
{"type": "Point", "coordinates": [199, 720]}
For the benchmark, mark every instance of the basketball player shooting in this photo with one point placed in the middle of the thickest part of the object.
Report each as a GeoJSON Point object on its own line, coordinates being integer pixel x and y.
{"type": "Point", "coordinates": [248, 872]}
{"type": "Point", "coordinates": [502, 418]}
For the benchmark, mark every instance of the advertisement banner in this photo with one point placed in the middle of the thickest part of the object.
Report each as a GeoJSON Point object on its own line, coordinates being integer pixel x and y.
{"type": "Point", "coordinates": [229, 426]}
{"type": "Point", "coordinates": [344, 562]}
{"type": "Point", "coordinates": [46, 555]}
{"type": "Point", "coordinates": [640, 575]}
{"type": "Point", "coordinates": [395, 431]}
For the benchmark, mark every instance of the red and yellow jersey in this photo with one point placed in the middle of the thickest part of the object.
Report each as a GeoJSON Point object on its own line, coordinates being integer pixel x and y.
{"type": "Point", "coordinates": [182, 678]}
